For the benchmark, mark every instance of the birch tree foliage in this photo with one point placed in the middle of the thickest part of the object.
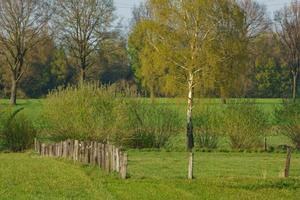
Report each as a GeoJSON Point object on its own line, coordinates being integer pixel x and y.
{"type": "Point", "coordinates": [200, 38]}
{"type": "Point", "coordinates": [178, 32]}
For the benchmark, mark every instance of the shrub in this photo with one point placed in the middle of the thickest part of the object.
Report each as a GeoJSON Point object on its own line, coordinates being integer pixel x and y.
{"type": "Point", "coordinates": [206, 122]}
{"type": "Point", "coordinates": [17, 131]}
{"type": "Point", "coordinates": [288, 118]}
{"type": "Point", "coordinates": [90, 112]}
{"type": "Point", "coordinates": [83, 112]}
{"type": "Point", "coordinates": [145, 125]}
{"type": "Point", "coordinates": [245, 124]}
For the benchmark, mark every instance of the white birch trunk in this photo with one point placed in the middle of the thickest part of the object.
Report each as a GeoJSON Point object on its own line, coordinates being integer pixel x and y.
{"type": "Point", "coordinates": [190, 139]}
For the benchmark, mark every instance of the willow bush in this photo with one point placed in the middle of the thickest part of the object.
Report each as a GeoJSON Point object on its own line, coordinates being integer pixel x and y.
{"type": "Point", "coordinates": [288, 118]}
{"type": "Point", "coordinates": [92, 112]}
{"type": "Point", "coordinates": [79, 112]}
{"type": "Point", "coordinates": [245, 124]}
{"type": "Point", "coordinates": [143, 124]}
{"type": "Point", "coordinates": [16, 131]}
{"type": "Point", "coordinates": [207, 126]}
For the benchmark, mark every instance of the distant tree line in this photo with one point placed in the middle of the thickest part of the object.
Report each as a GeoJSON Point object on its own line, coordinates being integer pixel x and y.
{"type": "Point", "coordinates": [244, 53]}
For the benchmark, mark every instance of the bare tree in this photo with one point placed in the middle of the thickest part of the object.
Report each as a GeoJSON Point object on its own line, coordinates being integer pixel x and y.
{"type": "Point", "coordinates": [141, 12]}
{"type": "Point", "coordinates": [82, 26]}
{"type": "Point", "coordinates": [256, 20]}
{"type": "Point", "coordinates": [21, 23]}
{"type": "Point", "coordinates": [288, 32]}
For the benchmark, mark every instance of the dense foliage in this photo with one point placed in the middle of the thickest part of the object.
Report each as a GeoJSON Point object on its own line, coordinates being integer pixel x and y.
{"type": "Point", "coordinates": [16, 131]}
{"type": "Point", "coordinates": [90, 112]}
{"type": "Point", "coordinates": [288, 118]}
{"type": "Point", "coordinates": [245, 124]}
{"type": "Point", "coordinates": [207, 123]}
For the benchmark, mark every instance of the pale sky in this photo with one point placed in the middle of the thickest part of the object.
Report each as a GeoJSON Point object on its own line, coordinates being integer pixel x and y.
{"type": "Point", "coordinates": [124, 7]}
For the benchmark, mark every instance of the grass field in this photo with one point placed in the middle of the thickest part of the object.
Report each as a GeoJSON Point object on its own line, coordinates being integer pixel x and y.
{"type": "Point", "coordinates": [33, 107]}
{"type": "Point", "coordinates": [153, 175]}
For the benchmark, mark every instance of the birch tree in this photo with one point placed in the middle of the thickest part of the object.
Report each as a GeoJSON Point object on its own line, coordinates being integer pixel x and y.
{"type": "Point", "coordinates": [21, 24]}
{"type": "Point", "coordinates": [288, 33]}
{"type": "Point", "coordinates": [179, 31]}
{"type": "Point", "coordinates": [182, 35]}
{"type": "Point", "coordinates": [82, 26]}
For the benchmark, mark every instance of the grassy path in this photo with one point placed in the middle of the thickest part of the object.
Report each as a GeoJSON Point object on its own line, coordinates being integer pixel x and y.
{"type": "Point", "coordinates": [26, 176]}
{"type": "Point", "coordinates": [154, 175]}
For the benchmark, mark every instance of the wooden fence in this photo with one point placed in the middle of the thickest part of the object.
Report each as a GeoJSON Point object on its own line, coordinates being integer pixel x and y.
{"type": "Point", "coordinates": [106, 156]}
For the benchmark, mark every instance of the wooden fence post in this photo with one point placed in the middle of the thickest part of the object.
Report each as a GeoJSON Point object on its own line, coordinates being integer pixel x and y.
{"type": "Point", "coordinates": [287, 162]}
{"type": "Point", "coordinates": [123, 170]}
{"type": "Point", "coordinates": [75, 150]}
{"type": "Point", "coordinates": [265, 144]}
{"type": "Point", "coordinates": [99, 154]}
{"type": "Point", "coordinates": [43, 149]}
{"type": "Point", "coordinates": [35, 144]}
{"type": "Point", "coordinates": [106, 156]}
{"type": "Point", "coordinates": [117, 160]}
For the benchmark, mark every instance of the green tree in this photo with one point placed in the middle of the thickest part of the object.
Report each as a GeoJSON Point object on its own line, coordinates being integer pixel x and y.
{"type": "Point", "coordinates": [178, 41]}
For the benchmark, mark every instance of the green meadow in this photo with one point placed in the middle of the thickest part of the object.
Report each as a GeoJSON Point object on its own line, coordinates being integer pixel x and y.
{"type": "Point", "coordinates": [152, 175]}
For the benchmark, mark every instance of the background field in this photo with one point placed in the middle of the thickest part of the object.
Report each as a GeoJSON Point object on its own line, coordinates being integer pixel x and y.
{"type": "Point", "coordinates": [33, 108]}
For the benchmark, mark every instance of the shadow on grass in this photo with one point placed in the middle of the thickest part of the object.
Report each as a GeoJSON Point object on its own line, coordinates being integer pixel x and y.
{"type": "Point", "coordinates": [291, 184]}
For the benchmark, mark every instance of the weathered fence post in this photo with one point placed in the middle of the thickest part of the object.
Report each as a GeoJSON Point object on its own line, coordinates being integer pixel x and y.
{"type": "Point", "coordinates": [99, 157]}
{"type": "Point", "coordinates": [117, 159]}
{"type": "Point", "coordinates": [287, 162]}
{"type": "Point", "coordinates": [35, 144]}
{"type": "Point", "coordinates": [75, 150]}
{"type": "Point", "coordinates": [43, 149]}
{"type": "Point", "coordinates": [123, 169]}
{"type": "Point", "coordinates": [106, 156]}
{"type": "Point", "coordinates": [265, 144]}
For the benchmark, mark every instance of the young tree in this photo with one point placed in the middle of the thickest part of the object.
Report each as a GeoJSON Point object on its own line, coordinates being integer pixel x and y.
{"type": "Point", "coordinates": [179, 38]}
{"type": "Point", "coordinates": [21, 23]}
{"type": "Point", "coordinates": [82, 26]}
{"type": "Point", "coordinates": [288, 29]}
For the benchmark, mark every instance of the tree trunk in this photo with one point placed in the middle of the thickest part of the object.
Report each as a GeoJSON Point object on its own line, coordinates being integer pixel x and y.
{"type": "Point", "coordinates": [152, 94]}
{"type": "Point", "coordinates": [82, 75]}
{"type": "Point", "coordinates": [13, 91]}
{"type": "Point", "coordinates": [295, 85]}
{"type": "Point", "coordinates": [190, 137]}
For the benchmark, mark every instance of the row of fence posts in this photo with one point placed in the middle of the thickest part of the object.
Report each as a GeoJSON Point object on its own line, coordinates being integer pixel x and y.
{"type": "Point", "coordinates": [106, 156]}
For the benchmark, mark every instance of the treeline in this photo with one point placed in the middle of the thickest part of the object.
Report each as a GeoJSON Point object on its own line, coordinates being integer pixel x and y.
{"type": "Point", "coordinates": [234, 47]}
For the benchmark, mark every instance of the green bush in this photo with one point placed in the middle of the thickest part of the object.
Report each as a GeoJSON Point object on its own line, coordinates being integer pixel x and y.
{"type": "Point", "coordinates": [288, 119]}
{"type": "Point", "coordinates": [90, 112]}
{"type": "Point", "coordinates": [17, 131]}
{"type": "Point", "coordinates": [245, 125]}
{"type": "Point", "coordinates": [206, 126]}
{"type": "Point", "coordinates": [145, 125]}
{"type": "Point", "coordinates": [83, 112]}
